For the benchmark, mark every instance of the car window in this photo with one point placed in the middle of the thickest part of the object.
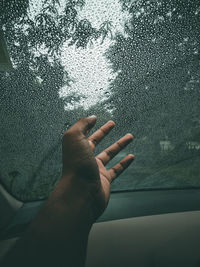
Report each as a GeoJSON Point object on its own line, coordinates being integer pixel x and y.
{"type": "Point", "coordinates": [132, 61]}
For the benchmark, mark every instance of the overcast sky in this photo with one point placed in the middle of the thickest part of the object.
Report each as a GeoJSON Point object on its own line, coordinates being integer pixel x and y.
{"type": "Point", "coordinates": [88, 67]}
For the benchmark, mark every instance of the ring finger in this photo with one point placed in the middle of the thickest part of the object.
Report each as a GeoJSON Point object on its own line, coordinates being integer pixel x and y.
{"type": "Point", "coordinates": [110, 152]}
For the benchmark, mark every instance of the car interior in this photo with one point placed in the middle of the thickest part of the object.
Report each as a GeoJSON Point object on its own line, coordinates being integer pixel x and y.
{"type": "Point", "coordinates": [143, 59]}
{"type": "Point", "coordinates": [142, 228]}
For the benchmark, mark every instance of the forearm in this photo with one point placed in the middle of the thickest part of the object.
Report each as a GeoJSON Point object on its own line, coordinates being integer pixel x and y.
{"type": "Point", "coordinates": [58, 236]}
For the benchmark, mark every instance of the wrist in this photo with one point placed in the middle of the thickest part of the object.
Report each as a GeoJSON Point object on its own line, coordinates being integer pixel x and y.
{"type": "Point", "coordinates": [78, 191]}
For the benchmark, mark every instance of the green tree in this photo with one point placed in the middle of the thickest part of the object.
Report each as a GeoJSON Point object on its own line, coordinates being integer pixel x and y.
{"type": "Point", "coordinates": [156, 92]}
{"type": "Point", "coordinates": [153, 71]}
{"type": "Point", "coordinates": [33, 116]}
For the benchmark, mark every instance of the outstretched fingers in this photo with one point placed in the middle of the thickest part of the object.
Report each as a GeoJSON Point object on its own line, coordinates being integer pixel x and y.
{"type": "Point", "coordinates": [116, 170]}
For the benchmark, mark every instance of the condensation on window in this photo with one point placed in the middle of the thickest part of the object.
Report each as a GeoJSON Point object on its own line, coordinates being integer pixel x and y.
{"type": "Point", "coordinates": [135, 62]}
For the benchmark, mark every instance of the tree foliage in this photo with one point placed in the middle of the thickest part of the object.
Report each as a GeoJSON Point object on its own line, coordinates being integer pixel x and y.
{"type": "Point", "coordinates": [156, 62]}
{"type": "Point", "coordinates": [156, 92]}
{"type": "Point", "coordinates": [33, 113]}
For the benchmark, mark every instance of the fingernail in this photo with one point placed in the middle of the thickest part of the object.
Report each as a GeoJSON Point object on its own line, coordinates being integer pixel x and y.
{"type": "Point", "coordinates": [92, 116]}
{"type": "Point", "coordinates": [132, 158]}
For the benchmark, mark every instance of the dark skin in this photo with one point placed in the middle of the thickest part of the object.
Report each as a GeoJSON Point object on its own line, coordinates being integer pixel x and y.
{"type": "Point", "coordinates": [58, 235]}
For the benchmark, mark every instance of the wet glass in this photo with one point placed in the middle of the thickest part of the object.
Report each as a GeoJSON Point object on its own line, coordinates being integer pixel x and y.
{"type": "Point", "coordinates": [134, 62]}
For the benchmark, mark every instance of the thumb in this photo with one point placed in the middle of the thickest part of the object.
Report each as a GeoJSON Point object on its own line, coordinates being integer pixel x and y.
{"type": "Point", "coordinates": [86, 124]}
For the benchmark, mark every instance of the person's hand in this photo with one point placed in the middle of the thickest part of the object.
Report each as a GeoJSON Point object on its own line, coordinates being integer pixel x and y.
{"type": "Point", "coordinates": [59, 233]}
{"type": "Point", "coordinates": [84, 172]}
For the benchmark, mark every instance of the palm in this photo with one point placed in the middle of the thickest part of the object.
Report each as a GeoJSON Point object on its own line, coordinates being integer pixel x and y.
{"type": "Point", "coordinates": [107, 176]}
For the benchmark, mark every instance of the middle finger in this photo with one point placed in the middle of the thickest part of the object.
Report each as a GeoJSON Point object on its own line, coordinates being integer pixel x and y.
{"type": "Point", "coordinates": [110, 152]}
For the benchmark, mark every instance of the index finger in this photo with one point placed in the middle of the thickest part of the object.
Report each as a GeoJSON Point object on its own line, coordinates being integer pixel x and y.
{"type": "Point", "coordinates": [97, 136]}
